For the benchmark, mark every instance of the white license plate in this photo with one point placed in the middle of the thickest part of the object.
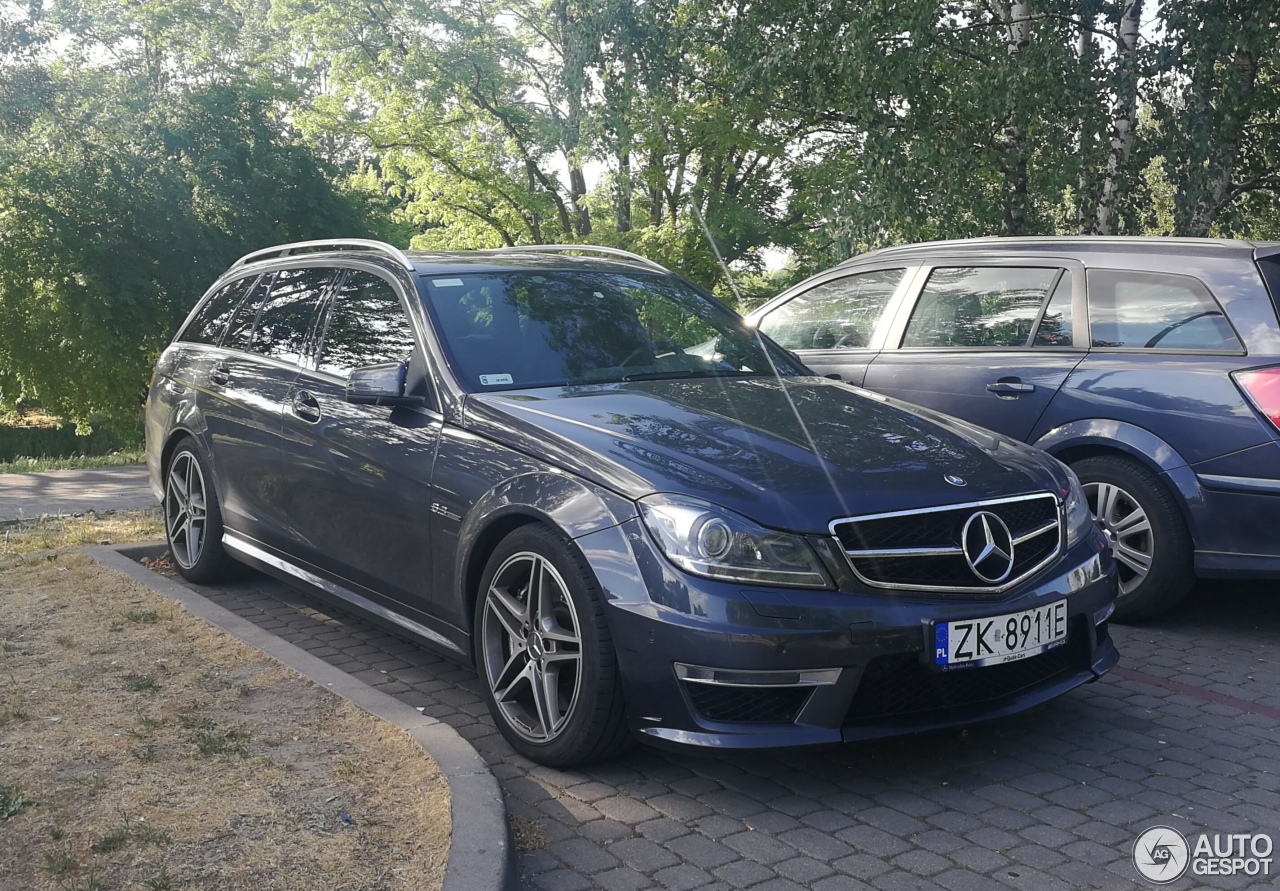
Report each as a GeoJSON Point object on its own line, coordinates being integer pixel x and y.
{"type": "Point", "coordinates": [994, 640]}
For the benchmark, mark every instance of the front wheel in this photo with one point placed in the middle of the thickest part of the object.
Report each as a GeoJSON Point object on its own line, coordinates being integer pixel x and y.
{"type": "Point", "coordinates": [544, 653]}
{"type": "Point", "coordinates": [1150, 541]}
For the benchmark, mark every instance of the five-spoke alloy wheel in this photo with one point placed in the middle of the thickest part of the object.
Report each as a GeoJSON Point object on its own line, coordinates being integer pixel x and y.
{"type": "Point", "coordinates": [1148, 535]}
{"type": "Point", "coordinates": [533, 651]}
{"type": "Point", "coordinates": [544, 653]}
{"type": "Point", "coordinates": [192, 520]}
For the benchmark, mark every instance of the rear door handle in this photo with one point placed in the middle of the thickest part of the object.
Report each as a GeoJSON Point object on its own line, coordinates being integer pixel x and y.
{"type": "Point", "coordinates": [1010, 388]}
{"type": "Point", "coordinates": [220, 374]}
{"type": "Point", "coordinates": [306, 407]}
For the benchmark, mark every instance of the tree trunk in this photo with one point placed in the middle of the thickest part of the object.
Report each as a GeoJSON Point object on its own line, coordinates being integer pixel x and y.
{"type": "Point", "coordinates": [622, 199]}
{"type": "Point", "coordinates": [577, 190]}
{"type": "Point", "coordinates": [1013, 138]}
{"type": "Point", "coordinates": [1125, 109]}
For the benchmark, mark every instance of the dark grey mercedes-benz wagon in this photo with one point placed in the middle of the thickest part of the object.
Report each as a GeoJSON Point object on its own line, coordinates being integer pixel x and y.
{"type": "Point", "coordinates": [632, 513]}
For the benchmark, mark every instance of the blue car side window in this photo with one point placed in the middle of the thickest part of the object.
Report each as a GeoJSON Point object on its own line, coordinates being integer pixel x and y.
{"type": "Point", "coordinates": [1155, 310]}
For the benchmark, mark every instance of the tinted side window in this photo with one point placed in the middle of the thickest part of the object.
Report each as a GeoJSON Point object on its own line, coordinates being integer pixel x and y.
{"type": "Point", "coordinates": [367, 326]}
{"type": "Point", "coordinates": [836, 315]}
{"type": "Point", "coordinates": [240, 332]}
{"type": "Point", "coordinates": [288, 314]}
{"type": "Point", "coordinates": [1153, 310]}
{"type": "Point", "coordinates": [211, 319]}
{"type": "Point", "coordinates": [979, 306]}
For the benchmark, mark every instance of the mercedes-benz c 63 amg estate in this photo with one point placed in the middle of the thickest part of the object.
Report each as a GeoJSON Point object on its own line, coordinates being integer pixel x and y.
{"type": "Point", "coordinates": [633, 514]}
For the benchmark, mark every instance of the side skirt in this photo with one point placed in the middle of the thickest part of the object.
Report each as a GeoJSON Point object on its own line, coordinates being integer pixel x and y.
{"type": "Point", "coordinates": [259, 557]}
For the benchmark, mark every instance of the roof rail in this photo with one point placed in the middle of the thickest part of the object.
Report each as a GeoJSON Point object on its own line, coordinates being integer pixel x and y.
{"type": "Point", "coordinates": [586, 249]}
{"type": "Point", "coordinates": [367, 244]}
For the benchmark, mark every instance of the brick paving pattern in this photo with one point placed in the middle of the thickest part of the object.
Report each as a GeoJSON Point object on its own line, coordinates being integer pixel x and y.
{"type": "Point", "coordinates": [1184, 733]}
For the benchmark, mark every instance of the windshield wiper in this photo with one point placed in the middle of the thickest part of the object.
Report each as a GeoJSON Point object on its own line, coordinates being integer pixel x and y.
{"type": "Point", "coordinates": [687, 373]}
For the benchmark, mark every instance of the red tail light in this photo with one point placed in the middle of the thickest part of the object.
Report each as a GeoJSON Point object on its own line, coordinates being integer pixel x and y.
{"type": "Point", "coordinates": [1262, 386]}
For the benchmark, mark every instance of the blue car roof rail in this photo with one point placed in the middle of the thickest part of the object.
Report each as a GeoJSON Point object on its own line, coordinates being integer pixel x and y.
{"type": "Point", "coordinates": [360, 244]}
{"type": "Point", "coordinates": [585, 249]}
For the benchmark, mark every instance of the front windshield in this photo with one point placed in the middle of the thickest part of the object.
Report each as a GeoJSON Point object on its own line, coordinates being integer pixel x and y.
{"type": "Point", "coordinates": [511, 330]}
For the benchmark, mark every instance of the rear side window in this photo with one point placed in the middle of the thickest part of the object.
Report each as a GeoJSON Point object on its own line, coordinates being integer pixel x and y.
{"type": "Point", "coordinates": [983, 306]}
{"type": "Point", "coordinates": [367, 326]}
{"type": "Point", "coordinates": [211, 318]}
{"type": "Point", "coordinates": [836, 315]}
{"type": "Point", "coordinates": [1154, 310]}
{"type": "Point", "coordinates": [287, 317]}
{"type": "Point", "coordinates": [240, 332]}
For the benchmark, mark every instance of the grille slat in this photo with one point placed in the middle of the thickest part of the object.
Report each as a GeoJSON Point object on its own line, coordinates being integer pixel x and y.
{"type": "Point", "coordinates": [941, 529]}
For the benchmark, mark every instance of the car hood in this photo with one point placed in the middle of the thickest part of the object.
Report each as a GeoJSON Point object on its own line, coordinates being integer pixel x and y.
{"type": "Point", "coordinates": [790, 453]}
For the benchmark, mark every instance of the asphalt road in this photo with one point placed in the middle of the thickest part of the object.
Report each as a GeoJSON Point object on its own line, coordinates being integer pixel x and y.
{"type": "Point", "coordinates": [28, 495]}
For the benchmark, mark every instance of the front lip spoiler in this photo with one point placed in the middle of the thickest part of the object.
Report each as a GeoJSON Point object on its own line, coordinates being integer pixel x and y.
{"type": "Point", "coordinates": [791, 736]}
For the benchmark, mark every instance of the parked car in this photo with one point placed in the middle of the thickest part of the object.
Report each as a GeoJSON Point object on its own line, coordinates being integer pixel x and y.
{"type": "Point", "coordinates": [1151, 366]}
{"type": "Point", "coordinates": [632, 513]}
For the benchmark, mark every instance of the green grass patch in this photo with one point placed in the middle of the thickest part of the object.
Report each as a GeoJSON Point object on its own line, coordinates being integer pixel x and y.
{"type": "Point", "coordinates": [141, 683]}
{"type": "Point", "coordinates": [228, 741]}
{"type": "Point", "coordinates": [12, 801]}
{"type": "Point", "coordinates": [120, 458]}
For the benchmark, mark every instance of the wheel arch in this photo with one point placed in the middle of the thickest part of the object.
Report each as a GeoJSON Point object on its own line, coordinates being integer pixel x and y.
{"type": "Point", "coordinates": [1092, 438]}
{"type": "Point", "coordinates": [567, 505]}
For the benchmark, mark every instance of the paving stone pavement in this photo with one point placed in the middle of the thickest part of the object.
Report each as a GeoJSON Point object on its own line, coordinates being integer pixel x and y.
{"type": "Point", "coordinates": [1186, 733]}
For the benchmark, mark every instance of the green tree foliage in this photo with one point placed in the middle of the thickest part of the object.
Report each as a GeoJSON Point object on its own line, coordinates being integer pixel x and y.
{"type": "Point", "coordinates": [145, 144]}
{"type": "Point", "coordinates": [146, 166]}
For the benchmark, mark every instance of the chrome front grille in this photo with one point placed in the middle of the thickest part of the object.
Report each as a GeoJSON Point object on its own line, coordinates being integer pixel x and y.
{"type": "Point", "coordinates": [959, 548]}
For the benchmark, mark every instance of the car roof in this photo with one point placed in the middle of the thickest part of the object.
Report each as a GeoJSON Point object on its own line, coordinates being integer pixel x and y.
{"type": "Point", "coordinates": [1076, 243]}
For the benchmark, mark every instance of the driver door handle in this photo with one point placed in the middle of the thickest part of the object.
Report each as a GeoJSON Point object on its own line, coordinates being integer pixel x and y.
{"type": "Point", "coordinates": [306, 407]}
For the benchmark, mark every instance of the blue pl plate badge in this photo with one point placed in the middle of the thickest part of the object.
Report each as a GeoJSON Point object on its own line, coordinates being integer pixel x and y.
{"type": "Point", "coordinates": [490, 380]}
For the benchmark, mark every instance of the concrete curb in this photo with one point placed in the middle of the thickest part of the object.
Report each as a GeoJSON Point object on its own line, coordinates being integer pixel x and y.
{"type": "Point", "coordinates": [481, 854]}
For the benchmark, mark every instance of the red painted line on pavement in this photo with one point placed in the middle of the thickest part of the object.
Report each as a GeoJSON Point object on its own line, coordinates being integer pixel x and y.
{"type": "Point", "coordinates": [1243, 705]}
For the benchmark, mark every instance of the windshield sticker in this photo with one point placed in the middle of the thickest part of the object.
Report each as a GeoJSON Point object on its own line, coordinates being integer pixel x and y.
{"type": "Point", "coordinates": [490, 380]}
{"type": "Point", "coordinates": [447, 282]}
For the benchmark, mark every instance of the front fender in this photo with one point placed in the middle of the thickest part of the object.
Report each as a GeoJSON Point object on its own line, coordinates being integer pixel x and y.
{"type": "Point", "coordinates": [573, 507]}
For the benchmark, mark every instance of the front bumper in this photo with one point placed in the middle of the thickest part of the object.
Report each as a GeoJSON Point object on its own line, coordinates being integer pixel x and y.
{"type": "Point", "coordinates": [732, 666]}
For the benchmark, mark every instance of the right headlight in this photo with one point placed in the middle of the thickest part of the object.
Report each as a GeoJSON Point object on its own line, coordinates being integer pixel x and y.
{"type": "Point", "coordinates": [1075, 507]}
{"type": "Point", "coordinates": [710, 541]}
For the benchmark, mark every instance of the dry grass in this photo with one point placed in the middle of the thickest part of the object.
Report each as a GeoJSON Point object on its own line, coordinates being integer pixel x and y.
{"type": "Point", "coordinates": [39, 537]}
{"type": "Point", "coordinates": [141, 748]}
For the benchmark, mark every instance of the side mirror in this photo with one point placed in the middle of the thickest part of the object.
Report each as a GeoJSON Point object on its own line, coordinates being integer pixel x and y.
{"type": "Point", "coordinates": [380, 385]}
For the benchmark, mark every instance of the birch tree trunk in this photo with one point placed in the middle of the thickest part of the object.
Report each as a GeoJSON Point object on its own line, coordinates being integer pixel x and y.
{"type": "Point", "coordinates": [1013, 138]}
{"type": "Point", "coordinates": [1122, 119]}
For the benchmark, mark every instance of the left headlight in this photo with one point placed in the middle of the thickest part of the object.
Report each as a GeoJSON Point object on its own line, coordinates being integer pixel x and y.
{"type": "Point", "coordinates": [1075, 505]}
{"type": "Point", "coordinates": [719, 544]}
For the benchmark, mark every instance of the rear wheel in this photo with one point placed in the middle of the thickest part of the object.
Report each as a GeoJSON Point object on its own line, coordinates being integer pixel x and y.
{"type": "Point", "coordinates": [1140, 518]}
{"type": "Point", "coordinates": [544, 653]}
{"type": "Point", "coordinates": [192, 518]}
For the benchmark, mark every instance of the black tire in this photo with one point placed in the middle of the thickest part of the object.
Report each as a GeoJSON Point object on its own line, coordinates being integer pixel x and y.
{"type": "Point", "coordinates": [192, 517]}
{"type": "Point", "coordinates": [1118, 488]}
{"type": "Point", "coordinates": [549, 673]}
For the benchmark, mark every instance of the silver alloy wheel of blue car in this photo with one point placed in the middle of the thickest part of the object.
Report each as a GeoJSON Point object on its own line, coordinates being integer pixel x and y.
{"type": "Point", "coordinates": [1127, 527]}
{"type": "Point", "coordinates": [185, 509]}
{"type": "Point", "coordinates": [531, 648]}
